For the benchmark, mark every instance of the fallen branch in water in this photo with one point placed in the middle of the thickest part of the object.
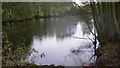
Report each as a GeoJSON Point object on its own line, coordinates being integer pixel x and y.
{"type": "Point", "coordinates": [77, 37]}
{"type": "Point", "coordinates": [94, 41]}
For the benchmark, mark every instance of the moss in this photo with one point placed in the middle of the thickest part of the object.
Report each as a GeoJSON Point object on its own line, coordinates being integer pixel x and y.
{"type": "Point", "coordinates": [117, 64]}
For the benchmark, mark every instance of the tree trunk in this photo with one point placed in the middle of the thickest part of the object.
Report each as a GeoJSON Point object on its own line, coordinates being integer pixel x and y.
{"type": "Point", "coordinates": [107, 20]}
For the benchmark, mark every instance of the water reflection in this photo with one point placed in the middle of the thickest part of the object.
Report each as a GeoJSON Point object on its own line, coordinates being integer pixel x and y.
{"type": "Point", "coordinates": [63, 41]}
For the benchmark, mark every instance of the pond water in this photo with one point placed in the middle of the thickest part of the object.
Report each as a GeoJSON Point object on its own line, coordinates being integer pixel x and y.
{"type": "Point", "coordinates": [61, 41]}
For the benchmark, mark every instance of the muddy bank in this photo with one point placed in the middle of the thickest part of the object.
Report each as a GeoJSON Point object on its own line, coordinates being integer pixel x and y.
{"type": "Point", "coordinates": [109, 54]}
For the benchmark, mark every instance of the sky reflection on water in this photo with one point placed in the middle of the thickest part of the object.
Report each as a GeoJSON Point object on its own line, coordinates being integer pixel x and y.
{"type": "Point", "coordinates": [68, 50]}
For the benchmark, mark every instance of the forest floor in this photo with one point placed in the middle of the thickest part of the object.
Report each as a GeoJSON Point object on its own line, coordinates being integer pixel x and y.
{"type": "Point", "coordinates": [110, 54]}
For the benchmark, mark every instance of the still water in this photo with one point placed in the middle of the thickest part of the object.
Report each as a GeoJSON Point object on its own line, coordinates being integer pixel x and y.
{"type": "Point", "coordinates": [61, 41]}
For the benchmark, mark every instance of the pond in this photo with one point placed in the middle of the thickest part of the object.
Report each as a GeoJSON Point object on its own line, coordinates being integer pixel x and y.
{"type": "Point", "coordinates": [61, 41]}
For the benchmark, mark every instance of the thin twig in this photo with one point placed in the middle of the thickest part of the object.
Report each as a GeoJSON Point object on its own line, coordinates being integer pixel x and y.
{"type": "Point", "coordinates": [90, 39]}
